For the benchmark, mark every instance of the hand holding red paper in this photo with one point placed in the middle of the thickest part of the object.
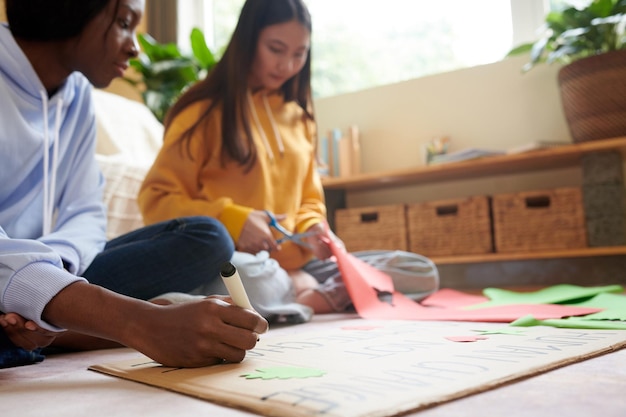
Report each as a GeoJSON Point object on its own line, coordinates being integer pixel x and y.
{"type": "Point", "coordinates": [320, 239]}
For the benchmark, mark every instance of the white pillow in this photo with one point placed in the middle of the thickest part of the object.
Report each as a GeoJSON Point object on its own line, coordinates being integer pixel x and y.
{"type": "Point", "coordinates": [126, 128]}
{"type": "Point", "coordinates": [120, 194]}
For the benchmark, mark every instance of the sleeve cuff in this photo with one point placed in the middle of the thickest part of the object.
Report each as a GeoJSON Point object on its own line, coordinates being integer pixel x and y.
{"type": "Point", "coordinates": [234, 217]}
{"type": "Point", "coordinates": [32, 288]}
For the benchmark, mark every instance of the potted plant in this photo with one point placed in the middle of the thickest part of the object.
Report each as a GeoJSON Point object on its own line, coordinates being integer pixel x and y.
{"type": "Point", "coordinates": [590, 42]}
{"type": "Point", "coordinates": [164, 72]}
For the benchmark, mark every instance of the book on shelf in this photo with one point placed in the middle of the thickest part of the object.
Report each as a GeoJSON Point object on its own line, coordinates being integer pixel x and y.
{"type": "Point", "coordinates": [463, 155]}
{"type": "Point", "coordinates": [536, 145]}
{"type": "Point", "coordinates": [339, 153]}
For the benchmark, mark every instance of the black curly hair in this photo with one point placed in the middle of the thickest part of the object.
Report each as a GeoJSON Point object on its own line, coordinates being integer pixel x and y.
{"type": "Point", "coordinates": [49, 20]}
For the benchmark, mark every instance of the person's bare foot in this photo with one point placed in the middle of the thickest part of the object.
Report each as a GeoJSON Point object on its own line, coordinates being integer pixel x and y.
{"type": "Point", "coordinates": [305, 286]}
{"type": "Point", "coordinates": [312, 298]}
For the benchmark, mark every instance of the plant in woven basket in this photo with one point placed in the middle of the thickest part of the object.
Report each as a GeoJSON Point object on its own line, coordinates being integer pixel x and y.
{"type": "Point", "coordinates": [165, 72]}
{"type": "Point", "coordinates": [589, 39]}
{"type": "Point", "coordinates": [578, 32]}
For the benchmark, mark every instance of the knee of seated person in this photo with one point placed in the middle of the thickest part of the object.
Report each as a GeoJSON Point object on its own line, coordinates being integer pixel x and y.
{"type": "Point", "coordinates": [207, 230]}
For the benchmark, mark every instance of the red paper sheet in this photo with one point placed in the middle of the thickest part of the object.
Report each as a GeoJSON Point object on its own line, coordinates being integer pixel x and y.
{"type": "Point", "coordinates": [364, 284]}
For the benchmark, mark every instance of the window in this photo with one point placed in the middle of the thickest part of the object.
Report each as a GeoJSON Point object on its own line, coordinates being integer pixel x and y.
{"type": "Point", "coordinates": [359, 44]}
{"type": "Point", "coordinates": [562, 4]}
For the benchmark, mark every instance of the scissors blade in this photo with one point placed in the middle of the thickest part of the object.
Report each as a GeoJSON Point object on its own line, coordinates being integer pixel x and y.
{"type": "Point", "coordinates": [297, 238]}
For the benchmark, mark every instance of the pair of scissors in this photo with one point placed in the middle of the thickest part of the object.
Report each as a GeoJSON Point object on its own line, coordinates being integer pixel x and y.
{"type": "Point", "coordinates": [296, 238]}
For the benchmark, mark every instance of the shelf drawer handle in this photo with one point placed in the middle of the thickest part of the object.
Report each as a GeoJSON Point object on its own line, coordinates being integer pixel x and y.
{"type": "Point", "coordinates": [450, 210]}
{"type": "Point", "coordinates": [369, 217]}
{"type": "Point", "coordinates": [540, 201]}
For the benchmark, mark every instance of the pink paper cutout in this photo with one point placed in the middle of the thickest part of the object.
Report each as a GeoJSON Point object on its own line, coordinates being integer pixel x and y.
{"type": "Point", "coordinates": [363, 283]}
{"type": "Point", "coordinates": [362, 280]}
{"type": "Point", "coordinates": [447, 297]}
{"type": "Point", "coordinates": [470, 338]}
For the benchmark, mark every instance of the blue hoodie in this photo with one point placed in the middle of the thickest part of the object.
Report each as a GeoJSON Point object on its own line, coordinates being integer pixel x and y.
{"type": "Point", "coordinates": [47, 158]}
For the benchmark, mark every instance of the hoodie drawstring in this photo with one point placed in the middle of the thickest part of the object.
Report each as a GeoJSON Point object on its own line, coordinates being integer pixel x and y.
{"type": "Point", "coordinates": [277, 137]}
{"type": "Point", "coordinates": [49, 184]}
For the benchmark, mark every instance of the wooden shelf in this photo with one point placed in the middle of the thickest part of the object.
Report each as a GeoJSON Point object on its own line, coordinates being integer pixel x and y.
{"type": "Point", "coordinates": [551, 254]}
{"type": "Point", "coordinates": [544, 159]}
{"type": "Point", "coordinates": [559, 157]}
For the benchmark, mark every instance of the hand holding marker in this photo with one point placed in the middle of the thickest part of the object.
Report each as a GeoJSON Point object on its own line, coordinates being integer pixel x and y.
{"type": "Point", "coordinates": [235, 288]}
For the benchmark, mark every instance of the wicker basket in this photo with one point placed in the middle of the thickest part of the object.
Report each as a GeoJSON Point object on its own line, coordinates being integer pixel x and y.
{"type": "Point", "coordinates": [593, 95]}
{"type": "Point", "coordinates": [450, 227]}
{"type": "Point", "coordinates": [372, 228]}
{"type": "Point", "coordinates": [539, 220]}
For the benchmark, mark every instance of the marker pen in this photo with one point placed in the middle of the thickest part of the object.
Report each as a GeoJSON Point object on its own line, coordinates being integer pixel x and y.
{"type": "Point", "coordinates": [235, 288]}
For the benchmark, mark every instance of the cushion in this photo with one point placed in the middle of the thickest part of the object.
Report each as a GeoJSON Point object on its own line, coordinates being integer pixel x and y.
{"type": "Point", "coordinates": [128, 139]}
{"type": "Point", "coordinates": [120, 194]}
{"type": "Point", "coordinates": [126, 129]}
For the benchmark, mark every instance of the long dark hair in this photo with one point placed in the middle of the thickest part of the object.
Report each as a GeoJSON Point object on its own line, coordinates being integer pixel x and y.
{"type": "Point", "coordinates": [227, 83]}
{"type": "Point", "coordinates": [48, 20]}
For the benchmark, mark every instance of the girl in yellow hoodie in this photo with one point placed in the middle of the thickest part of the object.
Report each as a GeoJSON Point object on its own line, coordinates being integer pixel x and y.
{"type": "Point", "coordinates": [242, 141]}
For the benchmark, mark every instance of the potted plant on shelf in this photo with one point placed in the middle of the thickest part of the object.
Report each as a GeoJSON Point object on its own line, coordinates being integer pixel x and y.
{"type": "Point", "coordinates": [163, 72]}
{"type": "Point", "coordinates": [590, 42]}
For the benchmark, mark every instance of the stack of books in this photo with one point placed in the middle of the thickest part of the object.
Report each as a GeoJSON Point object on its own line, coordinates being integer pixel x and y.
{"type": "Point", "coordinates": [463, 155]}
{"type": "Point", "coordinates": [340, 153]}
{"type": "Point", "coordinates": [536, 145]}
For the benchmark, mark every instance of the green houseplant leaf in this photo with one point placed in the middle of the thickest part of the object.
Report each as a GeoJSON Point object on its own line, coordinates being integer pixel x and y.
{"type": "Point", "coordinates": [589, 41]}
{"type": "Point", "coordinates": [201, 51]}
{"type": "Point", "coordinates": [165, 72]}
{"type": "Point", "coordinates": [575, 33]}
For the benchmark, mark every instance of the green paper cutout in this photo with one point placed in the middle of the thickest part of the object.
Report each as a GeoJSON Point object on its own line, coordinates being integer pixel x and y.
{"type": "Point", "coordinates": [284, 372]}
{"type": "Point", "coordinates": [526, 321]}
{"type": "Point", "coordinates": [613, 316]}
{"type": "Point", "coordinates": [570, 323]}
{"type": "Point", "coordinates": [557, 294]}
{"type": "Point", "coordinates": [614, 306]}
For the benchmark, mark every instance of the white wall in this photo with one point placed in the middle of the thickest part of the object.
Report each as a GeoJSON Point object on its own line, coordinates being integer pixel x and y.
{"type": "Point", "coordinates": [492, 106]}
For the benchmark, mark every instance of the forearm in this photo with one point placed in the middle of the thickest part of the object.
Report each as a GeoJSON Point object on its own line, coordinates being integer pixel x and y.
{"type": "Point", "coordinates": [189, 334]}
{"type": "Point", "coordinates": [96, 311]}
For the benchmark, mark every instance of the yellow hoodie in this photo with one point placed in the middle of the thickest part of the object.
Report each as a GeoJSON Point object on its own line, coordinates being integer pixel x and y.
{"type": "Point", "coordinates": [284, 179]}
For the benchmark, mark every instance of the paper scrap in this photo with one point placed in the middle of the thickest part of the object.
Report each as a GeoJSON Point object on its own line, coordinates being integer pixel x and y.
{"type": "Point", "coordinates": [470, 338]}
{"type": "Point", "coordinates": [284, 372]}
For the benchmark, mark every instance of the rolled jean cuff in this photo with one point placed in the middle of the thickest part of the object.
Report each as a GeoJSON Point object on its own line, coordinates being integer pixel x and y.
{"type": "Point", "coordinates": [335, 293]}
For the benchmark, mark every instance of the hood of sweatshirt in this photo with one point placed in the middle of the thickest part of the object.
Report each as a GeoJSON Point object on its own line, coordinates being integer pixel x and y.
{"type": "Point", "coordinates": [45, 142]}
{"type": "Point", "coordinates": [44, 114]}
{"type": "Point", "coordinates": [21, 76]}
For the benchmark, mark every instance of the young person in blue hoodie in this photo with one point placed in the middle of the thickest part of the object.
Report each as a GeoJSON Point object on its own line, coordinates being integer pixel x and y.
{"type": "Point", "coordinates": [61, 283]}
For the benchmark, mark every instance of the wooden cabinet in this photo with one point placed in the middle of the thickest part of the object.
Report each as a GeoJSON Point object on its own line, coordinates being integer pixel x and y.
{"type": "Point", "coordinates": [545, 159]}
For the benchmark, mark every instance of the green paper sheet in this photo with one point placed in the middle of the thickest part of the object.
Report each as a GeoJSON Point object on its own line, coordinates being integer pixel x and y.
{"type": "Point", "coordinates": [613, 305]}
{"type": "Point", "coordinates": [571, 323]}
{"type": "Point", "coordinates": [557, 294]}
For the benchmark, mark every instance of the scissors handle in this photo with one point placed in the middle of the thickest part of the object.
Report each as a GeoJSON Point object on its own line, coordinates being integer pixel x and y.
{"type": "Point", "coordinates": [274, 223]}
{"type": "Point", "coordinates": [296, 238]}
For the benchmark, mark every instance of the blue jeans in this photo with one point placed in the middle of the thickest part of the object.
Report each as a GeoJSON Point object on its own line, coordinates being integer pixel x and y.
{"type": "Point", "coordinates": [172, 256]}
